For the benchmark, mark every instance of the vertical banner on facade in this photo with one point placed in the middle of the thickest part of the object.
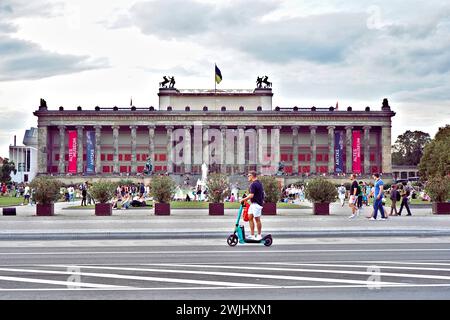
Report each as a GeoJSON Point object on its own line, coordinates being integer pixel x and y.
{"type": "Point", "coordinates": [339, 152]}
{"type": "Point", "coordinates": [72, 151]}
{"type": "Point", "coordinates": [356, 151]}
{"type": "Point", "coordinates": [90, 151]}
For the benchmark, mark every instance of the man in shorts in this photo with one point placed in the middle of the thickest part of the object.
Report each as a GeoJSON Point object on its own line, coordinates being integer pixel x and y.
{"type": "Point", "coordinates": [353, 196]}
{"type": "Point", "coordinates": [256, 197]}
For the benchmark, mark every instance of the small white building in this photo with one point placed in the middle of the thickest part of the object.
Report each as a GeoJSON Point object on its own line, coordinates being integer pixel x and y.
{"type": "Point", "coordinates": [25, 157]}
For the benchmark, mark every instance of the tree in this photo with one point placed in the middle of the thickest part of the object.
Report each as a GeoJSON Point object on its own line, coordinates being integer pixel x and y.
{"type": "Point", "coordinates": [408, 148]}
{"type": "Point", "coordinates": [436, 157]}
{"type": "Point", "coordinates": [7, 168]}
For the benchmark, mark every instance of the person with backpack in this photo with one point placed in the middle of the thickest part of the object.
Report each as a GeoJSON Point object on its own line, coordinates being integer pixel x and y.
{"type": "Point", "coordinates": [405, 197]}
{"type": "Point", "coordinates": [395, 196]}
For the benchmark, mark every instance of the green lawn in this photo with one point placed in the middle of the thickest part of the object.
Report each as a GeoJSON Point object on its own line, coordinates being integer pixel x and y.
{"type": "Point", "coordinates": [10, 201]}
{"type": "Point", "coordinates": [413, 201]}
{"type": "Point", "coordinates": [388, 202]}
{"type": "Point", "coordinates": [204, 205]}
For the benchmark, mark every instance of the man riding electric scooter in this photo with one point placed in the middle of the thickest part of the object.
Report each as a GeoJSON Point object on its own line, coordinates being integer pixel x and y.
{"type": "Point", "coordinates": [253, 212]}
{"type": "Point", "coordinates": [256, 197]}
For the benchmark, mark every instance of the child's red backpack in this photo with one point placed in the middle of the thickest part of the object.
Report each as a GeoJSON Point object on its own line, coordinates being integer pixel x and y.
{"type": "Point", "coordinates": [245, 214]}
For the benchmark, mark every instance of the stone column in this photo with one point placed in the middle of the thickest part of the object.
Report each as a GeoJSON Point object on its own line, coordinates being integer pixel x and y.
{"type": "Point", "coordinates": [133, 150]}
{"type": "Point", "coordinates": [205, 156]}
{"type": "Point", "coordinates": [295, 150]}
{"type": "Point", "coordinates": [349, 151]}
{"type": "Point", "coordinates": [331, 149]}
{"type": "Point", "coordinates": [386, 151]}
{"type": "Point", "coordinates": [151, 144]}
{"type": "Point", "coordinates": [259, 150]}
{"type": "Point", "coordinates": [42, 149]}
{"type": "Point", "coordinates": [62, 150]}
{"type": "Point", "coordinates": [80, 149]}
{"type": "Point", "coordinates": [367, 149]}
{"type": "Point", "coordinates": [241, 149]}
{"type": "Point", "coordinates": [187, 149]}
{"type": "Point", "coordinates": [169, 149]}
{"type": "Point", "coordinates": [313, 132]}
{"type": "Point", "coordinates": [98, 150]}
{"type": "Point", "coordinates": [276, 146]}
{"type": "Point", "coordinates": [116, 148]}
{"type": "Point", "coordinates": [223, 149]}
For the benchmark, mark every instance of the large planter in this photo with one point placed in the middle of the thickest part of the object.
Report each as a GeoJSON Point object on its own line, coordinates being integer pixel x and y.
{"type": "Point", "coordinates": [269, 209]}
{"type": "Point", "coordinates": [321, 208]}
{"type": "Point", "coordinates": [45, 209]}
{"type": "Point", "coordinates": [441, 207]}
{"type": "Point", "coordinates": [9, 211]}
{"type": "Point", "coordinates": [216, 209]}
{"type": "Point", "coordinates": [162, 209]}
{"type": "Point", "coordinates": [103, 209]}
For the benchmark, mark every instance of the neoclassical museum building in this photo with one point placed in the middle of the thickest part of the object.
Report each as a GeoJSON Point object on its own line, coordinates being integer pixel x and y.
{"type": "Point", "coordinates": [231, 131]}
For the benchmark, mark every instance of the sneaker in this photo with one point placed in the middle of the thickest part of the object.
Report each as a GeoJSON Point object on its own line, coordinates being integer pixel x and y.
{"type": "Point", "coordinates": [352, 216]}
{"type": "Point", "coordinates": [258, 237]}
{"type": "Point", "coordinates": [251, 237]}
{"type": "Point", "coordinates": [372, 219]}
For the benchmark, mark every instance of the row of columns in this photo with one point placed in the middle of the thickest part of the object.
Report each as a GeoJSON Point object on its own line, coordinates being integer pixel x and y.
{"type": "Point", "coordinates": [275, 136]}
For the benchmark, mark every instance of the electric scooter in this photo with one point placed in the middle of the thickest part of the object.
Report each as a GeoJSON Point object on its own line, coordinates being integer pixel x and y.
{"type": "Point", "coordinates": [238, 235]}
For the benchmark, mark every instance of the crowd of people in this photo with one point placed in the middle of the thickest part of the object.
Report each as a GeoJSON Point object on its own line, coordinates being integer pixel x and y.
{"type": "Point", "coordinates": [363, 194]}
{"type": "Point", "coordinates": [19, 190]}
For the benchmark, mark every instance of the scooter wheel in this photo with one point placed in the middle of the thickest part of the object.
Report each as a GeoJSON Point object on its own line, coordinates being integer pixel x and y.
{"type": "Point", "coordinates": [268, 242]}
{"type": "Point", "coordinates": [232, 240]}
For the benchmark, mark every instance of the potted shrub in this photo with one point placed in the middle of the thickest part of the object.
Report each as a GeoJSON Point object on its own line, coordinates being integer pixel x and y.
{"type": "Point", "coordinates": [46, 193]}
{"type": "Point", "coordinates": [162, 189]}
{"type": "Point", "coordinates": [218, 189]}
{"type": "Point", "coordinates": [272, 194]}
{"type": "Point", "coordinates": [102, 192]}
{"type": "Point", "coordinates": [438, 188]}
{"type": "Point", "coordinates": [321, 193]}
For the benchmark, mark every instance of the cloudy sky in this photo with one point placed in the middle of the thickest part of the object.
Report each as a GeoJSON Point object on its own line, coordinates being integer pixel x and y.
{"type": "Point", "coordinates": [102, 52]}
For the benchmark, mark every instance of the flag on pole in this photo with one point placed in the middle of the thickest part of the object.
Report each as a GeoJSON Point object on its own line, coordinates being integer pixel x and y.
{"type": "Point", "coordinates": [337, 106]}
{"type": "Point", "coordinates": [218, 75]}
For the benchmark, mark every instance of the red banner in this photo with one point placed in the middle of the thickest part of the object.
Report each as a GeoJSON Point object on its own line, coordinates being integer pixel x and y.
{"type": "Point", "coordinates": [72, 151]}
{"type": "Point", "coordinates": [356, 151]}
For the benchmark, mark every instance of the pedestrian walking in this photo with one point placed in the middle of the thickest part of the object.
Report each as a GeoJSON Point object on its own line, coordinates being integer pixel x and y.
{"type": "Point", "coordinates": [394, 196]}
{"type": "Point", "coordinates": [26, 194]}
{"type": "Point", "coordinates": [342, 191]}
{"type": "Point", "coordinates": [353, 196]}
{"type": "Point", "coordinates": [360, 197]}
{"type": "Point", "coordinates": [83, 195]}
{"type": "Point", "coordinates": [378, 198]}
{"type": "Point", "coordinates": [405, 197]}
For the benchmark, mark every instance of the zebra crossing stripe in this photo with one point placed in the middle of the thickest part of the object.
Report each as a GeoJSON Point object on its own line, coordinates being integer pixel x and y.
{"type": "Point", "coordinates": [129, 277]}
{"type": "Point", "coordinates": [234, 274]}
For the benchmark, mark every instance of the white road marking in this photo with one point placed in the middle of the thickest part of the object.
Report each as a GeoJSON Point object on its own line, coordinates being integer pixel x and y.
{"type": "Point", "coordinates": [387, 274]}
{"type": "Point", "coordinates": [128, 277]}
{"type": "Point", "coordinates": [228, 274]}
{"type": "Point", "coordinates": [63, 283]}
{"type": "Point", "coordinates": [349, 266]}
{"type": "Point", "coordinates": [230, 251]}
{"type": "Point", "coordinates": [404, 285]}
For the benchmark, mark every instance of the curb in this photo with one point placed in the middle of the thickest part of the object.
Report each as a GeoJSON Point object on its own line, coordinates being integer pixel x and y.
{"type": "Point", "coordinates": [219, 235]}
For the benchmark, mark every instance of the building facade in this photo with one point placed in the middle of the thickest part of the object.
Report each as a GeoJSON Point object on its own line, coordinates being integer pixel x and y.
{"type": "Point", "coordinates": [25, 157]}
{"type": "Point", "coordinates": [231, 131]}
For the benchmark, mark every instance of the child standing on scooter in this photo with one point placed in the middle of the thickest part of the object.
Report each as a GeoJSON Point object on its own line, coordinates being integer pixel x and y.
{"type": "Point", "coordinates": [256, 197]}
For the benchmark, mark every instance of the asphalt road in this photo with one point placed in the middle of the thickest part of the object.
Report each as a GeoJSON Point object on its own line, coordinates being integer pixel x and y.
{"type": "Point", "coordinates": [292, 269]}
